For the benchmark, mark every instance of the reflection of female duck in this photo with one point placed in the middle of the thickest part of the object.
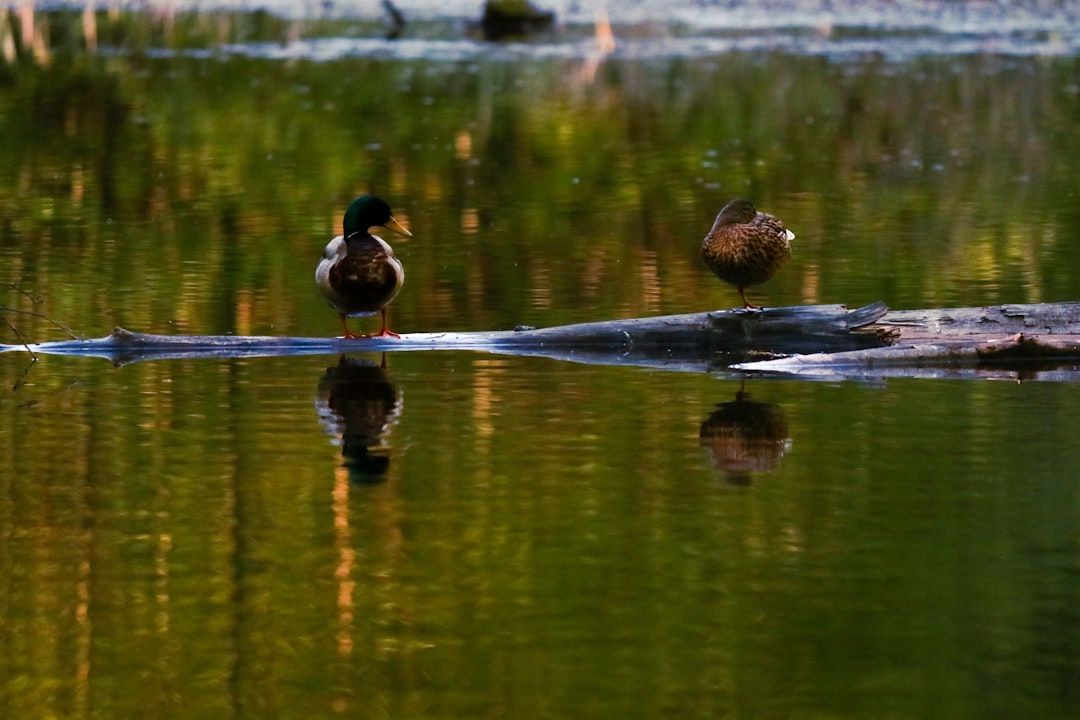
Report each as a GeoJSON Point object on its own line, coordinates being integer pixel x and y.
{"type": "Point", "coordinates": [359, 403]}
{"type": "Point", "coordinates": [358, 273]}
{"type": "Point", "coordinates": [746, 247]}
{"type": "Point", "coordinates": [743, 437]}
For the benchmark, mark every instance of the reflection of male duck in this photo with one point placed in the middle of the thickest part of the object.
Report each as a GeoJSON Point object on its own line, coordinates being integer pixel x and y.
{"type": "Point", "coordinates": [359, 403]}
{"type": "Point", "coordinates": [743, 437]}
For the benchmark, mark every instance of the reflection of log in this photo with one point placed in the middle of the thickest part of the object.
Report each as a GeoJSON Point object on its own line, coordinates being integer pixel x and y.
{"type": "Point", "coordinates": [697, 341]}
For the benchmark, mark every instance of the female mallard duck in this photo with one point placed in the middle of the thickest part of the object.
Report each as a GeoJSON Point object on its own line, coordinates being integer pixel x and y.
{"type": "Point", "coordinates": [746, 247]}
{"type": "Point", "coordinates": [358, 273]}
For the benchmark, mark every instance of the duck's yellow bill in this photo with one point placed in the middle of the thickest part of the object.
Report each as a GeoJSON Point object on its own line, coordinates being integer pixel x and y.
{"type": "Point", "coordinates": [397, 227]}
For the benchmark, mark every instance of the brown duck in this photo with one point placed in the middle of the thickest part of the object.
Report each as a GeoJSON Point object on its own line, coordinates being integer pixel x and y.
{"type": "Point", "coordinates": [358, 273]}
{"type": "Point", "coordinates": [746, 247]}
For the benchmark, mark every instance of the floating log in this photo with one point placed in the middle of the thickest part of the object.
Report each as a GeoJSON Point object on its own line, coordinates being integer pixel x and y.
{"type": "Point", "coordinates": [1038, 341]}
{"type": "Point", "coordinates": [829, 341]}
{"type": "Point", "coordinates": [697, 341]}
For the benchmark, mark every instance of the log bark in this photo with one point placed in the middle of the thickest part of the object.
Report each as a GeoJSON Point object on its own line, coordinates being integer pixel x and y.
{"type": "Point", "coordinates": [1041, 340]}
{"type": "Point", "coordinates": [696, 341]}
{"type": "Point", "coordinates": [991, 321]}
{"type": "Point", "coordinates": [1016, 342]}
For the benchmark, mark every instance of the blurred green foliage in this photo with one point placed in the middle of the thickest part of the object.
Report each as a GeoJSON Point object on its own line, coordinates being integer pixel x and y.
{"type": "Point", "coordinates": [192, 191]}
{"type": "Point", "coordinates": [178, 539]}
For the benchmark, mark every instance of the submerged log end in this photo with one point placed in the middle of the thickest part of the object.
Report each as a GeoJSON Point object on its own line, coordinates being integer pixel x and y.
{"type": "Point", "coordinates": [1030, 347]}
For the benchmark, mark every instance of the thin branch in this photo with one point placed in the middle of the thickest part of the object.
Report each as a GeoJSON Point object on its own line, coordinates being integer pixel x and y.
{"type": "Point", "coordinates": [19, 335]}
{"type": "Point", "coordinates": [33, 356]}
{"type": "Point", "coordinates": [36, 299]}
{"type": "Point", "coordinates": [43, 316]}
{"type": "Point", "coordinates": [25, 373]}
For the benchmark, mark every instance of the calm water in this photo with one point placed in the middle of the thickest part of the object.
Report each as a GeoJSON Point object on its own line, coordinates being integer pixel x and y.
{"type": "Point", "coordinates": [461, 535]}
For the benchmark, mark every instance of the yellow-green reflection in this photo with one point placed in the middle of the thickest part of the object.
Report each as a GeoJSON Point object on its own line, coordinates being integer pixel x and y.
{"type": "Point", "coordinates": [185, 194]}
{"type": "Point", "coordinates": [548, 540]}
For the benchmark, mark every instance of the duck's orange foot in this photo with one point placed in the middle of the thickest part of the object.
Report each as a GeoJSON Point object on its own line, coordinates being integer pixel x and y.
{"type": "Point", "coordinates": [385, 331]}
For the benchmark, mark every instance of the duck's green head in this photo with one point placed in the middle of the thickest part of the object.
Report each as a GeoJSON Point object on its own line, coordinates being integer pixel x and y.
{"type": "Point", "coordinates": [368, 211]}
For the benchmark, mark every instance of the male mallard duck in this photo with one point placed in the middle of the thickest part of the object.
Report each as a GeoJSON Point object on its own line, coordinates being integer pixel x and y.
{"type": "Point", "coordinates": [746, 247]}
{"type": "Point", "coordinates": [358, 273]}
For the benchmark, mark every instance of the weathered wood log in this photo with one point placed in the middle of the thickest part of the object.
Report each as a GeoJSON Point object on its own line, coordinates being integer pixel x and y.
{"type": "Point", "coordinates": [916, 326]}
{"type": "Point", "coordinates": [1039, 341]}
{"type": "Point", "coordinates": [822, 340]}
{"type": "Point", "coordinates": [696, 341]}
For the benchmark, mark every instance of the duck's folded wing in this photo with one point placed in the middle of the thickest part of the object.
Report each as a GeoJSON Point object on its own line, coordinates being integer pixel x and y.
{"type": "Point", "coordinates": [335, 249]}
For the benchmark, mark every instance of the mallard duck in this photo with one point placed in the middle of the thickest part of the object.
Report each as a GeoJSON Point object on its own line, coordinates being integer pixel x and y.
{"type": "Point", "coordinates": [746, 247]}
{"type": "Point", "coordinates": [358, 273]}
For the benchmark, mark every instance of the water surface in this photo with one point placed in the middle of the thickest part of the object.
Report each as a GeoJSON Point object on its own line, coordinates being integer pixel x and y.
{"type": "Point", "coordinates": [464, 535]}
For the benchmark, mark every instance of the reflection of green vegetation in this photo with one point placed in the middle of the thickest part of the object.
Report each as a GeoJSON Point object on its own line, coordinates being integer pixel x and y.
{"type": "Point", "coordinates": [552, 536]}
{"type": "Point", "coordinates": [550, 540]}
{"type": "Point", "coordinates": [71, 31]}
{"type": "Point", "coordinates": [194, 190]}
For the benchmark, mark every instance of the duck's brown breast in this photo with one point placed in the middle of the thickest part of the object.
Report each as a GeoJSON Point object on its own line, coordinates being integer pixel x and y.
{"type": "Point", "coordinates": [368, 278]}
{"type": "Point", "coordinates": [747, 254]}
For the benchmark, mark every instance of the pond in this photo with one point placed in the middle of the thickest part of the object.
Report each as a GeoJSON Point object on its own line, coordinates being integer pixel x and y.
{"type": "Point", "coordinates": [466, 535]}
